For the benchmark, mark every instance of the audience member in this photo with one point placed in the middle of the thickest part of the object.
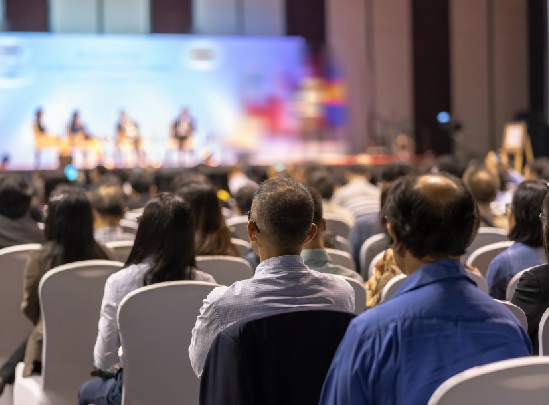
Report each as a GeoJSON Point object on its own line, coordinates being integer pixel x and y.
{"type": "Point", "coordinates": [358, 186]}
{"type": "Point", "coordinates": [280, 224]}
{"type": "Point", "coordinates": [243, 199]}
{"type": "Point", "coordinates": [109, 206]}
{"type": "Point", "coordinates": [313, 253]}
{"type": "Point", "coordinates": [16, 225]}
{"type": "Point", "coordinates": [163, 251]}
{"type": "Point", "coordinates": [525, 231]}
{"type": "Point", "coordinates": [370, 224]}
{"type": "Point", "coordinates": [324, 182]}
{"type": "Point", "coordinates": [438, 323]}
{"type": "Point", "coordinates": [69, 238]}
{"type": "Point", "coordinates": [537, 170]}
{"type": "Point", "coordinates": [141, 190]}
{"type": "Point", "coordinates": [483, 185]}
{"type": "Point", "coordinates": [532, 292]}
{"type": "Point", "coordinates": [212, 236]}
{"type": "Point", "coordinates": [237, 179]}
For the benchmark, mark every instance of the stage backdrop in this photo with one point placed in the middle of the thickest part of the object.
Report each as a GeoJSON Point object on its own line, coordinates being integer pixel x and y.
{"type": "Point", "coordinates": [240, 91]}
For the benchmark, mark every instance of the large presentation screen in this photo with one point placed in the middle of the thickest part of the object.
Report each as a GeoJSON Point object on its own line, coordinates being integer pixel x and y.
{"type": "Point", "coordinates": [240, 92]}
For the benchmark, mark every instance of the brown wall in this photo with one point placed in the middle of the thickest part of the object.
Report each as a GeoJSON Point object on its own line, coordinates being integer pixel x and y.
{"type": "Point", "coordinates": [171, 16]}
{"type": "Point", "coordinates": [27, 15]}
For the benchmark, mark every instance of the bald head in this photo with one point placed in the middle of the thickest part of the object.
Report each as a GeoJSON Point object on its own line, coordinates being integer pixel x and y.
{"type": "Point", "coordinates": [432, 215]}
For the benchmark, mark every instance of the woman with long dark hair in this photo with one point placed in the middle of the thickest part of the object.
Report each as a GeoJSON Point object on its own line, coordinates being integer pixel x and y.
{"type": "Point", "coordinates": [212, 236]}
{"type": "Point", "coordinates": [163, 251]}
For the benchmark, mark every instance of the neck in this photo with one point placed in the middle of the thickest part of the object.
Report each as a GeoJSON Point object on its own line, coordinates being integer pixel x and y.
{"type": "Point", "coordinates": [315, 243]}
{"type": "Point", "coordinates": [104, 222]}
{"type": "Point", "coordinates": [412, 264]}
{"type": "Point", "coordinates": [269, 253]}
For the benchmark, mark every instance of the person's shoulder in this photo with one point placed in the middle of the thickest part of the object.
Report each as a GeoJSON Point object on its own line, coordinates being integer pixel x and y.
{"type": "Point", "coordinates": [541, 273]}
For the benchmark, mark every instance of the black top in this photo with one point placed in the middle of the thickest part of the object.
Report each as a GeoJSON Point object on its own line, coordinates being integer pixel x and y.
{"type": "Point", "coordinates": [532, 296]}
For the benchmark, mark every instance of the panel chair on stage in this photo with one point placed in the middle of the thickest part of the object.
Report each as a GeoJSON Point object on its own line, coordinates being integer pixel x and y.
{"type": "Point", "coordinates": [42, 139]}
{"type": "Point", "coordinates": [79, 139]}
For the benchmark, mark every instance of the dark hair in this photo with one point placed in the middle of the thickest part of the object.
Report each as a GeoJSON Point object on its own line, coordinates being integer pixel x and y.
{"type": "Point", "coordinates": [69, 229]}
{"type": "Point", "coordinates": [244, 197]}
{"type": "Point", "coordinates": [527, 204]}
{"type": "Point", "coordinates": [482, 183]}
{"type": "Point", "coordinates": [540, 166]}
{"type": "Point", "coordinates": [15, 196]}
{"type": "Point", "coordinates": [283, 210]}
{"type": "Point", "coordinates": [212, 237]}
{"type": "Point", "coordinates": [141, 183]}
{"type": "Point", "coordinates": [187, 177]}
{"type": "Point", "coordinates": [436, 224]}
{"type": "Point", "coordinates": [323, 182]}
{"type": "Point", "coordinates": [358, 169]}
{"type": "Point", "coordinates": [545, 224]}
{"type": "Point", "coordinates": [448, 164]}
{"type": "Point", "coordinates": [109, 201]}
{"type": "Point", "coordinates": [166, 237]}
{"type": "Point", "coordinates": [318, 213]}
{"type": "Point", "coordinates": [393, 171]}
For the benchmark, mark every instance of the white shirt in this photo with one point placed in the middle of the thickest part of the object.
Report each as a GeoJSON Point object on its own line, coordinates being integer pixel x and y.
{"type": "Point", "coordinates": [358, 187]}
{"type": "Point", "coordinates": [282, 282]}
{"type": "Point", "coordinates": [118, 285]}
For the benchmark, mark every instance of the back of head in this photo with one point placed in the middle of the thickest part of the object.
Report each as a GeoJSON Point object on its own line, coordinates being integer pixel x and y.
{"type": "Point", "coordinates": [283, 211]}
{"type": "Point", "coordinates": [69, 228]}
{"type": "Point", "coordinates": [141, 183]}
{"type": "Point", "coordinates": [526, 207]}
{"type": "Point", "coordinates": [358, 170]}
{"type": "Point", "coordinates": [323, 182]}
{"type": "Point", "coordinates": [15, 196]}
{"type": "Point", "coordinates": [109, 201]}
{"type": "Point", "coordinates": [448, 164]}
{"type": "Point", "coordinates": [482, 183]}
{"type": "Point", "coordinates": [396, 170]}
{"type": "Point", "coordinates": [165, 237]}
{"type": "Point", "coordinates": [244, 197]}
{"type": "Point", "coordinates": [538, 169]}
{"type": "Point", "coordinates": [318, 210]}
{"type": "Point", "coordinates": [432, 215]}
{"type": "Point", "coordinates": [187, 177]}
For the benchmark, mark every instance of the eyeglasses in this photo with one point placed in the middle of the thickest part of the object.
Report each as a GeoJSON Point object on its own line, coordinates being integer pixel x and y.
{"type": "Point", "coordinates": [251, 219]}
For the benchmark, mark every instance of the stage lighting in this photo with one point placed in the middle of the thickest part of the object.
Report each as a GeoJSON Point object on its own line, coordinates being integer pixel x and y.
{"type": "Point", "coordinates": [71, 172]}
{"type": "Point", "coordinates": [443, 117]}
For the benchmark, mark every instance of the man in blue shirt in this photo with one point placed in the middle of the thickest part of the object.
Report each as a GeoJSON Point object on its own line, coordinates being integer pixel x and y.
{"type": "Point", "coordinates": [438, 323]}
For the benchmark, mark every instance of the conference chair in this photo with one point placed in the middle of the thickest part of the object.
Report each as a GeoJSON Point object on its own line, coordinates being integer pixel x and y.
{"type": "Point", "coordinates": [371, 248]}
{"type": "Point", "coordinates": [343, 244]}
{"type": "Point", "coordinates": [242, 245]}
{"type": "Point", "coordinates": [44, 141]}
{"type": "Point", "coordinates": [523, 380]}
{"type": "Point", "coordinates": [512, 286]}
{"type": "Point", "coordinates": [486, 235]}
{"type": "Point", "coordinates": [482, 257]}
{"type": "Point", "coordinates": [121, 249]}
{"type": "Point", "coordinates": [277, 359]}
{"type": "Point", "coordinates": [517, 311]}
{"type": "Point", "coordinates": [128, 226]}
{"type": "Point", "coordinates": [239, 227]}
{"type": "Point", "coordinates": [157, 369]}
{"type": "Point", "coordinates": [373, 263]}
{"type": "Point", "coordinates": [16, 327]}
{"type": "Point", "coordinates": [226, 270]}
{"type": "Point", "coordinates": [341, 258]}
{"type": "Point", "coordinates": [133, 215]}
{"type": "Point", "coordinates": [70, 298]}
{"type": "Point", "coordinates": [479, 281]}
{"type": "Point", "coordinates": [337, 225]}
{"type": "Point", "coordinates": [543, 334]}
{"type": "Point", "coordinates": [360, 293]}
{"type": "Point", "coordinates": [392, 287]}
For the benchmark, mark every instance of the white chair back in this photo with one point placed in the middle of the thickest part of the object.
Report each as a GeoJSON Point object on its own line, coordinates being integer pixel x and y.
{"type": "Point", "coordinates": [512, 286]}
{"type": "Point", "coordinates": [518, 312]}
{"type": "Point", "coordinates": [543, 334]}
{"type": "Point", "coordinates": [70, 298]}
{"type": "Point", "coordinates": [121, 249]}
{"type": "Point", "coordinates": [343, 244]}
{"type": "Point", "coordinates": [482, 257]}
{"type": "Point", "coordinates": [524, 380]}
{"type": "Point", "coordinates": [337, 225]}
{"type": "Point", "coordinates": [373, 263]}
{"type": "Point", "coordinates": [371, 248]}
{"type": "Point", "coordinates": [341, 258]}
{"type": "Point", "coordinates": [128, 226]}
{"type": "Point", "coordinates": [360, 294]}
{"type": "Point", "coordinates": [157, 369]}
{"type": "Point", "coordinates": [242, 245]}
{"type": "Point", "coordinates": [16, 327]}
{"type": "Point", "coordinates": [133, 215]}
{"type": "Point", "coordinates": [392, 287]}
{"type": "Point", "coordinates": [479, 281]}
{"type": "Point", "coordinates": [225, 269]}
{"type": "Point", "coordinates": [239, 227]}
{"type": "Point", "coordinates": [486, 235]}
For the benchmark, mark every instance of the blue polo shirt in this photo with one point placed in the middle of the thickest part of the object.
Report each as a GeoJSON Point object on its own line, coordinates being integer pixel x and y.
{"type": "Point", "coordinates": [436, 325]}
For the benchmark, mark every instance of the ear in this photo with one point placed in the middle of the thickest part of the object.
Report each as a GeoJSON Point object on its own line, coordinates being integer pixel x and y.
{"type": "Point", "coordinates": [252, 231]}
{"type": "Point", "coordinates": [392, 234]}
{"type": "Point", "coordinates": [311, 234]}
